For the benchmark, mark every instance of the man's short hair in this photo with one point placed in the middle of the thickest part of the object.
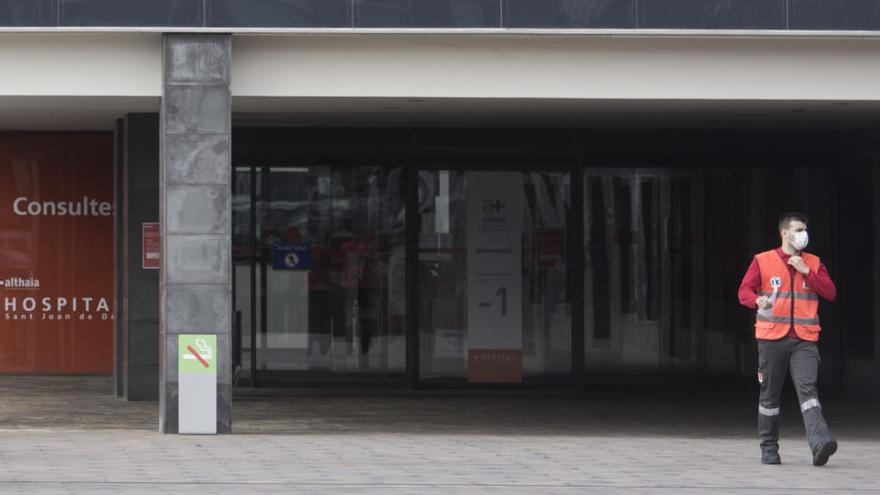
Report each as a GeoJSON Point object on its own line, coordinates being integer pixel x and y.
{"type": "Point", "coordinates": [786, 218]}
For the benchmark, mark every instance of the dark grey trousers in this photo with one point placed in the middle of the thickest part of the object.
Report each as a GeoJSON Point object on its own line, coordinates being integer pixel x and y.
{"type": "Point", "coordinates": [776, 358]}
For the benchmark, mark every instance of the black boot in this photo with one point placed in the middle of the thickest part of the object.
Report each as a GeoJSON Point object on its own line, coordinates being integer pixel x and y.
{"type": "Point", "coordinates": [822, 442]}
{"type": "Point", "coordinates": [823, 451]}
{"type": "Point", "coordinates": [768, 429]}
{"type": "Point", "coordinates": [770, 456]}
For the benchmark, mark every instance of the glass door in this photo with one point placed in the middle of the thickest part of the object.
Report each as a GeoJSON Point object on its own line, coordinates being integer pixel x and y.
{"type": "Point", "coordinates": [319, 292]}
{"type": "Point", "coordinates": [494, 305]}
{"type": "Point", "coordinates": [643, 279]}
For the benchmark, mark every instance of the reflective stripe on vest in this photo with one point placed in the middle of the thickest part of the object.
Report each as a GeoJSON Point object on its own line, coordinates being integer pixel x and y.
{"type": "Point", "coordinates": [786, 319]}
{"type": "Point", "coordinates": [809, 296]}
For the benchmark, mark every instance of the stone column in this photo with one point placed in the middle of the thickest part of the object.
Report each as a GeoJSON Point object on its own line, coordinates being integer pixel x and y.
{"type": "Point", "coordinates": [195, 280]}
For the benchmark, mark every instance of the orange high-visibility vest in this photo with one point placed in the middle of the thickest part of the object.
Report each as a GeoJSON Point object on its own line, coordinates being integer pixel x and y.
{"type": "Point", "coordinates": [796, 302]}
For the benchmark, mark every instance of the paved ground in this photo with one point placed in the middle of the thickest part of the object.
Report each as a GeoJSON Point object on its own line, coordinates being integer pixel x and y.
{"type": "Point", "coordinates": [68, 436]}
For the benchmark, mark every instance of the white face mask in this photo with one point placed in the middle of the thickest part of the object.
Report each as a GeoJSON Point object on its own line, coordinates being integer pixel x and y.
{"type": "Point", "coordinates": [799, 240]}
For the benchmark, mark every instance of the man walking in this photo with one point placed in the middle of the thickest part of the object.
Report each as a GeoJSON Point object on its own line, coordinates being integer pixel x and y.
{"type": "Point", "coordinates": [785, 285]}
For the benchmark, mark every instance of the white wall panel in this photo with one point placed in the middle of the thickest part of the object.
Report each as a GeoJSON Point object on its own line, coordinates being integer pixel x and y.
{"type": "Point", "coordinates": [526, 66]}
{"type": "Point", "coordinates": [102, 64]}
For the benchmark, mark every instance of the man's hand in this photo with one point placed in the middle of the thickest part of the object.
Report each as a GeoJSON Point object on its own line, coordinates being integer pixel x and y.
{"type": "Point", "coordinates": [763, 302]}
{"type": "Point", "coordinates": [798, 263]}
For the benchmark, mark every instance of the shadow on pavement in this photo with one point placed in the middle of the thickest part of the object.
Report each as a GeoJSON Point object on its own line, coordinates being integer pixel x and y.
{"type": "Point", "coordinates": [87, 403]}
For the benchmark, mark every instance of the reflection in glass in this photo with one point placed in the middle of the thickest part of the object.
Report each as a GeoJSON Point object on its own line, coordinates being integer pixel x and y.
{"type": "Point", "coordinates": [427, 13]}
{"type": "Point", "coordinates": [27, 13]}
{"type": "Point", "coordinates": [183, 13]}
{"type": "Point", "coordinates": [337, 302]}
{"type": "Point", "coordinates": [822, 14]}
{"type": "Point", "coordinates": [570, 13]}
{"type": "Point", "coordinates": [279, 13]}
{"type": "Point", "coordinates": [639, 249]}
{"type": "Point", "coordinates": [712, 14]}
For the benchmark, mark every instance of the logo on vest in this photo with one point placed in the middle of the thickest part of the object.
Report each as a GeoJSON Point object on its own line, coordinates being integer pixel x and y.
{"type": "Point", "coordinates": [776, 282]}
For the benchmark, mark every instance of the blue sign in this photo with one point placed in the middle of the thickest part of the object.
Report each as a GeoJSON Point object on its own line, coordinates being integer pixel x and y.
{"type": "Point", "coordinates": [291, 256]}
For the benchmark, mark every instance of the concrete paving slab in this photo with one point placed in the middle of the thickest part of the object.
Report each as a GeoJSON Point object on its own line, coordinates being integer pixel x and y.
{"type": "Point", "coordinates": [396, 443]}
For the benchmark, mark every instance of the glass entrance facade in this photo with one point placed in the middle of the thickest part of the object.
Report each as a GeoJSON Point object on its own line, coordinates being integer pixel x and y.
{"type": "Point", "coordinates": [440, 257]}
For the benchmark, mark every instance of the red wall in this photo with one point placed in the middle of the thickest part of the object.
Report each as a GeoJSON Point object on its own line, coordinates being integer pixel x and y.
{"type": "Point", "coordinates": [65, 324]}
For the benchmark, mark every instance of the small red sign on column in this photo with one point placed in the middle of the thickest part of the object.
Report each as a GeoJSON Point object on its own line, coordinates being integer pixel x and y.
{"type": "Point", "coordinates": [152, 245]}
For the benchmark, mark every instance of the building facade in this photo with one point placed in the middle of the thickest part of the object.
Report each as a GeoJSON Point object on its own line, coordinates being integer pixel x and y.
{"type": "Point", "coordinates": [458, 193]}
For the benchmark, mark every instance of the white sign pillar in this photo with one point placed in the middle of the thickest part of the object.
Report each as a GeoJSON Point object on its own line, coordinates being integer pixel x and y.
{"type": "Point", "coordinates": [494, 275]}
